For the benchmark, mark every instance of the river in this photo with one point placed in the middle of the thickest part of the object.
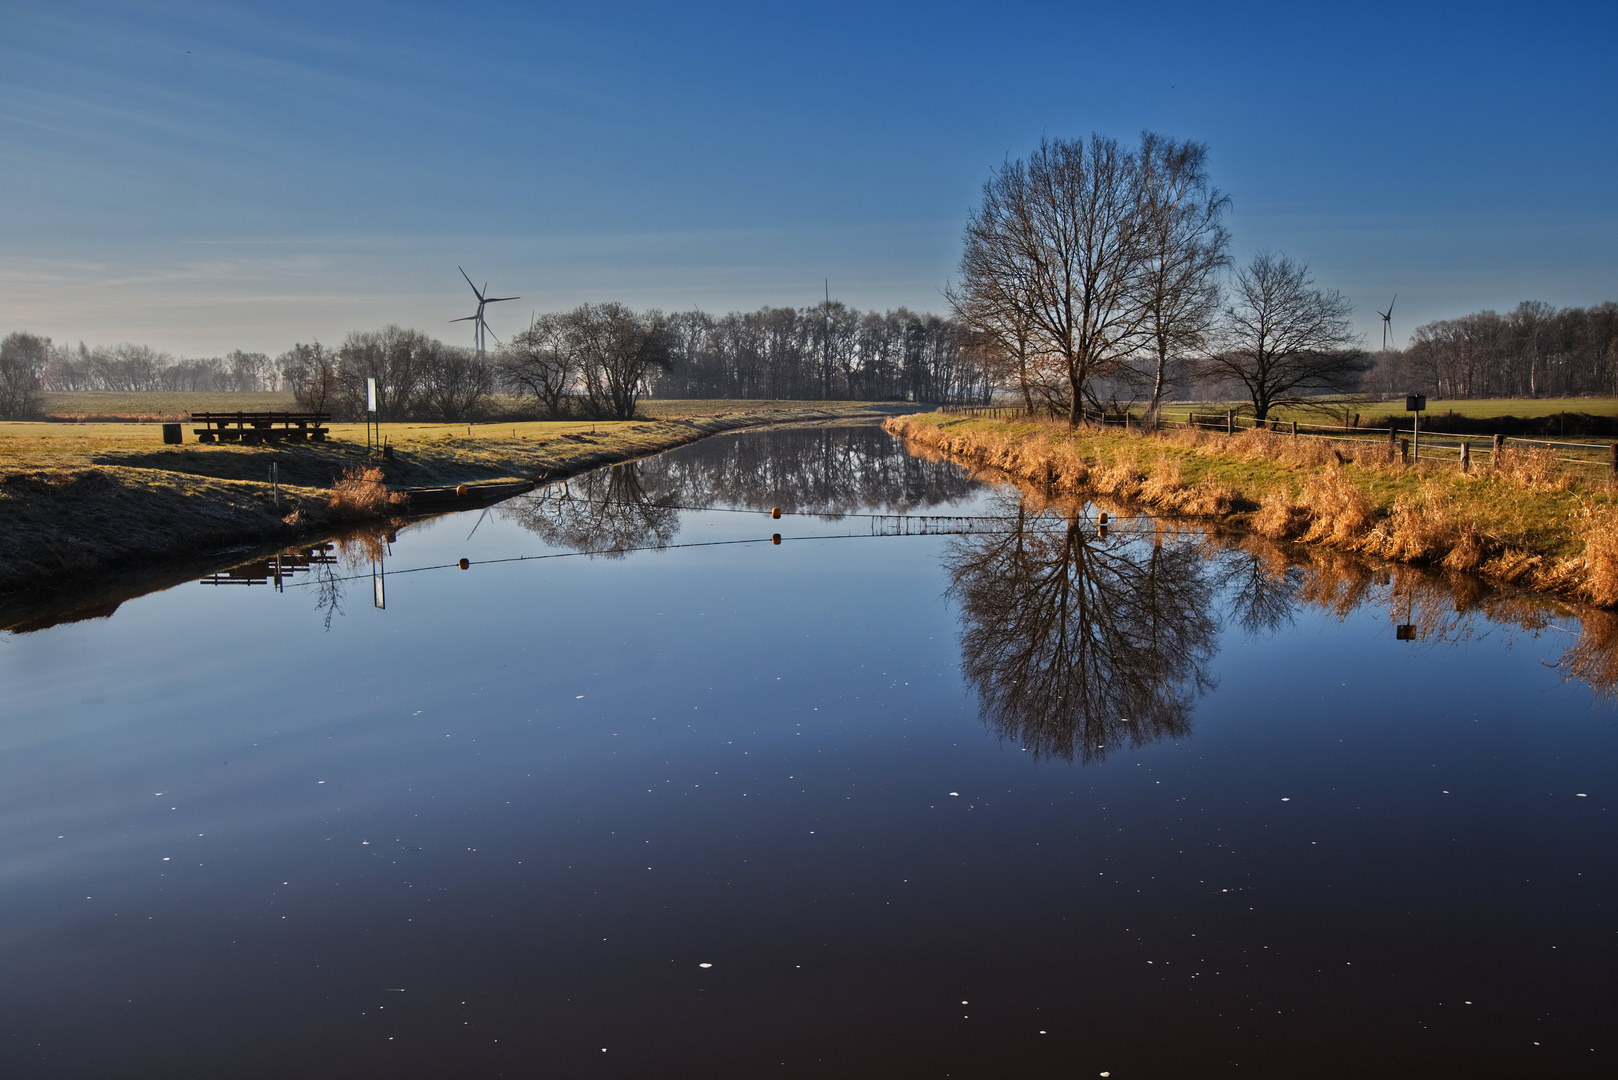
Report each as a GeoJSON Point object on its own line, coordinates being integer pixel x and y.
{"type": "Point", "coordinates": [948, 781]}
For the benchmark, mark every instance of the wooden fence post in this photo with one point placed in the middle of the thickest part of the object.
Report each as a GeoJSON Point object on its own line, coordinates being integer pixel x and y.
{"type": "Point", "coordinates": [1230, 421]}
{"type": "Point", "coordinates": [1612, 473]}
{"type": "Point", "coordinates": [1494, 458]}
{"type": "Point", "coordinates": [1466, 456]}
{"type": "Point", "coordinates": [1393, 429]}
{"type": "Point", "coordinates": [1294, 429]}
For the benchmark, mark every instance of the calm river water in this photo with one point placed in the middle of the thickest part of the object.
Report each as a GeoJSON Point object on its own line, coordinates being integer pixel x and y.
{"type": "Point", "coordinates": [1007, 798]}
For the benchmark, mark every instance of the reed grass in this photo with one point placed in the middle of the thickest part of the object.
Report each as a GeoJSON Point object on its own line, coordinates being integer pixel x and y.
{"type": "Point", "coordinates": [1523, 522]}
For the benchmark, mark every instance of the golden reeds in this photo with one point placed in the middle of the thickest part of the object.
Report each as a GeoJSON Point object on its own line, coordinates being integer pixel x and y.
{"type": "Point", "coordinates": [1352, 496]}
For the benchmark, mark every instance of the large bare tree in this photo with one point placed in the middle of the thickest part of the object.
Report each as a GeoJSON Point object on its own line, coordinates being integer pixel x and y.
{"type": "Point", "coordinates": [542, 361]}
{"type": "Point", "coordinates": [1058, 241]}
{"type": "Point", "coordinates": [1284, 339]}
{"type": "Point", "coordinates": [1186, 248]}
{"type": "Point", "coordinates": [620, 351]}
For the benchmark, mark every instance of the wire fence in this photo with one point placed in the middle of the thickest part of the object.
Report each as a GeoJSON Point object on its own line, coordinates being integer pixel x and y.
{"type": "Point", "coordinates": [1406, 443]}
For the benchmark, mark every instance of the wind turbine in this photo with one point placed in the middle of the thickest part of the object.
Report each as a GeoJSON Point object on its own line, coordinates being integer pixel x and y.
{"type": "Point", "coordinates": [479, 327]}
{"type": "Point", "coordinates": [1387, 323]}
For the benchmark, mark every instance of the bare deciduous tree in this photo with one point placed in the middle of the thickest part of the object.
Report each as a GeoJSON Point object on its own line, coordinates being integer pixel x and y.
{"type": "Point", "coordinates": [541, 361]}
{"type": "Point", "coordinates": [310, 372]}
{"type": "Point", "coordinates": [619, 351]}
{"type": "Point", "coordinates": [396, 358]}
{"type": "Point", "coordinates": [1186, 247]}
{"type": "Point", "coordinates": [23, 358]}
{"type": "Point", "coordinates": [1283, 339]}
{"type": "Point", "coordinates": [1060, 241]}
{"type": "Point", "coordinates": [456, 383]}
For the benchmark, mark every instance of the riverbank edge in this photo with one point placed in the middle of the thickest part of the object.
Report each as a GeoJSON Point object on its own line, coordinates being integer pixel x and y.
{"type": "Point", "coordinates": [1567, 549]}
{"type": "Point", "coordinates": [66, 525]}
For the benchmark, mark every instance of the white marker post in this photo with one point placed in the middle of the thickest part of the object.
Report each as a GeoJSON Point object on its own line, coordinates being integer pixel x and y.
{"type": "Point", "coordinates": [370, 414]}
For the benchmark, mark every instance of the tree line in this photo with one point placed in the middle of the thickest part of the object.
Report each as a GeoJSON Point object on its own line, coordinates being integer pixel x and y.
{"type": "Point", "coordinates": [828, 352]}
{"type": "Point", "coordinates": [595, 361]}
{"type": "Point", "coordinates": [1535, 350]}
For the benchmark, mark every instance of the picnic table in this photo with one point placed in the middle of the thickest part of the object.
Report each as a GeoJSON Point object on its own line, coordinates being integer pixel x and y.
{"type": "Point", "coordinates": [252, 428]}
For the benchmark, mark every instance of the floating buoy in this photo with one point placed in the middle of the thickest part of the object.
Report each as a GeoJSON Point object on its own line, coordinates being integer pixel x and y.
{"type": "Point", "coordinates": [775, 538]}
{"type": "Point", "coordinates": [460, 489]}
{"type": "Point", "coordinates": [466, 564]}
{"type": "Point", "coordinates": [776, 512]}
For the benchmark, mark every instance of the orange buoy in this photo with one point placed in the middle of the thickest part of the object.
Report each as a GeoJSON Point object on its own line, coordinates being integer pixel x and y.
{"type": "Point", "coordinates": [1103, 517]}
{"type": "Point", "coordinates": [776, 512]}
{"type": "Point", "coordinates": [466, 564]}
{"type": "Point", "coordinates": [775, 538]}
{"type": "Point", "coordinates": [460, 489]}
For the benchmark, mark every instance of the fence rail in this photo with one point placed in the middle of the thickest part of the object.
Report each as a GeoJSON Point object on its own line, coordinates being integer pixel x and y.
{"type": "Point", "coordinates": [1466, 449]}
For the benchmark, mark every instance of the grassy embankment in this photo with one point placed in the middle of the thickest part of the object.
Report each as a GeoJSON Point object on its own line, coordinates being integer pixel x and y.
{"type": "Point", "coordinates": [83, 498]}
{"type": "Point", "coordinates": [1522, 523]}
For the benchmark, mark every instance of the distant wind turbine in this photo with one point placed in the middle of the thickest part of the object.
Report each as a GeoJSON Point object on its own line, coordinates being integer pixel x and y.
{"type": "Point", "coordinates": [480, 329]}
{"type": "Point", "coordinates": [1387, 323]}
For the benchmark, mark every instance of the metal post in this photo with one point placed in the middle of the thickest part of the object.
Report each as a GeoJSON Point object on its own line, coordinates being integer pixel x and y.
{"type": "Point", "coordinates": [1415, 435]}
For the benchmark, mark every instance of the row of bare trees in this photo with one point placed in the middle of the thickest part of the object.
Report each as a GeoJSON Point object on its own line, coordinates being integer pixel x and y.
{"type": "Point", "coordinates": [827, 352]}
{"type": "Point", "coordinates": [1533, 351]}
{"type": "Point", "coordinates": [597, 360]}
{"type": "Point", "coordinates": [1091, 277]}
{"type": "Point", "coordinates": [131, 367]}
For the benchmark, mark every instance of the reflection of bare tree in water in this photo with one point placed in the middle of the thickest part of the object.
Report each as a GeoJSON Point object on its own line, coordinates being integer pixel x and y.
{"type": "Point", "coordinates": [1262, 595]}
{"type": "Point", "coordinates": [606, 512]}
{"type": "Point", "coordinates": [328, 592]}
{"type": "Point", "coordinates": [1078, 643]}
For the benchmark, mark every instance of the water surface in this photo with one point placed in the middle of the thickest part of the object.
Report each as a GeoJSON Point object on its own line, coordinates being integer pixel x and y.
{"type": "Point", "coordinates": [946, 783]}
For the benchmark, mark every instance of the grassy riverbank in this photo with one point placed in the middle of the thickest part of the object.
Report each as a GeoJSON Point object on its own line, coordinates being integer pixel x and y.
{"type": "Point", "coordinates": [86, 499]}
{"type": "Point", "coordinates": [1521, 523]}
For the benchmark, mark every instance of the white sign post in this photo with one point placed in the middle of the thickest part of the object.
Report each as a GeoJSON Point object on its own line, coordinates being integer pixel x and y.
{"type": "Point", "coordinates": [370, 414]}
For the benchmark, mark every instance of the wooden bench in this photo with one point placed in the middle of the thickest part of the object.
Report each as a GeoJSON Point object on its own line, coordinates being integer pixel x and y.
{"type": "Point", "coordinates": [252, 428]}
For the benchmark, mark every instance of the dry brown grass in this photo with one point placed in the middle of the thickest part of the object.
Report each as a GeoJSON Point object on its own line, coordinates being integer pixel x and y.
{"type": "Point", "coordinates": [1601, 555]}
{"type": "Point", "coordinates": [1535, 468]}
{"type": "Point", "coordinates": [362, 495]}
{"type": "Point", "coordinates": [1519, 524]}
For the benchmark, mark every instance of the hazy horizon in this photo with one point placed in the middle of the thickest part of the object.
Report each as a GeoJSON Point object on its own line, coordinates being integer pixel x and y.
{"type": "Point", "coordinates": [201, 180]}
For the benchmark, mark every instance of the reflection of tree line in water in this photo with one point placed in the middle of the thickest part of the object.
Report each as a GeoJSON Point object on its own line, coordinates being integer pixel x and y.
{"type": "Point", "coordinates": [1076, 640]}
{"type": "Point", "coordinates": [828, 472]}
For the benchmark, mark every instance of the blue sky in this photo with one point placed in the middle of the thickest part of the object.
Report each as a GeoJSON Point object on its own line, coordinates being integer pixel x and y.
{"type": "Point", "coordinates": [204, 177]}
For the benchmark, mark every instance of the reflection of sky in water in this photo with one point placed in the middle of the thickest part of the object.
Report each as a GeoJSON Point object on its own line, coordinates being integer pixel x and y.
{"type": "Point", "coordinates": [536, 796]}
